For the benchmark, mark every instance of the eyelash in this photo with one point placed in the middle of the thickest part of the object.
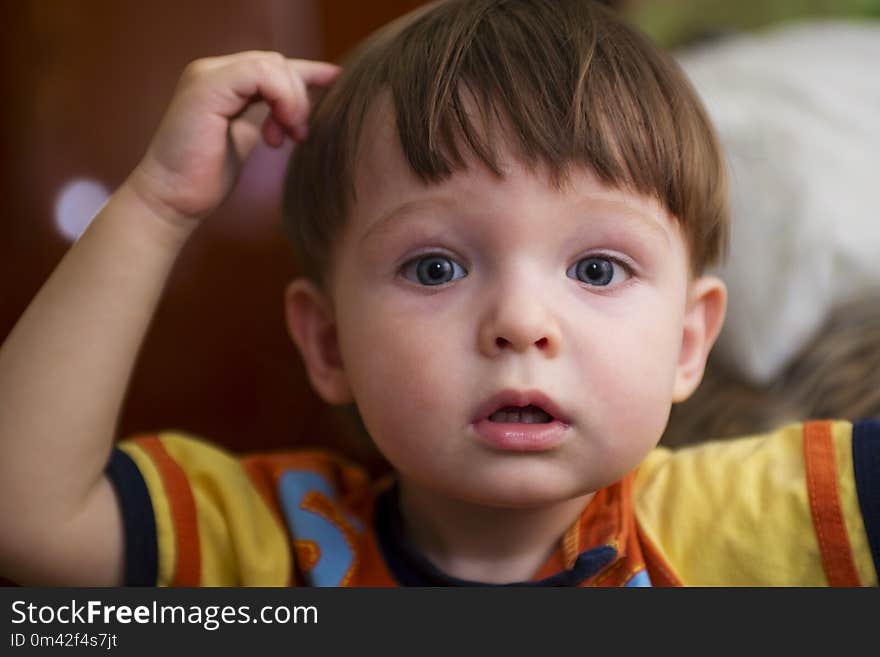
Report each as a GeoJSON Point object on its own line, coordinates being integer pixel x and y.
{"type": "Point", "coordinates": [415, 260]}
{"type": "Point", "coordinates": [627, 268]}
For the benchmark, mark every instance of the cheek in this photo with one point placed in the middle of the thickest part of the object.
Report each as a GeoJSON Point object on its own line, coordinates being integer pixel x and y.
{"type": "Point", "coordinates": [628, 374]}
{"type": "Point", "coordinates": [401, 369]}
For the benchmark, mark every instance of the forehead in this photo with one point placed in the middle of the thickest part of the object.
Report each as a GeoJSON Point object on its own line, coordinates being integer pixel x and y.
{"type": "Point", "coordinates": [385, 185]}
{"type": "Point", "coordinates": [380, 168]}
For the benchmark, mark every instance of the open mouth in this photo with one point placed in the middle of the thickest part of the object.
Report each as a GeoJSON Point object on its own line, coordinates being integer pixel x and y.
{"type": "Point", "coordinates": [521, 421]}
{"type": "Point", "coordinates": [530, 414]}
{"type": "Point", "coordinates": [521, 407]}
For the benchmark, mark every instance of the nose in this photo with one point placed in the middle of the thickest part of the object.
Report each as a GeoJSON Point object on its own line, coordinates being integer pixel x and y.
{"type": "Point", "coordinates": [518, 321]}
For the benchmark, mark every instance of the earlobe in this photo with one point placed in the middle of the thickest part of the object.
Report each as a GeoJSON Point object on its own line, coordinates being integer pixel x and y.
{"type": "Point", "coordinates": [703, 319]}
{"type": "Point", "coordinates": [312, 327]}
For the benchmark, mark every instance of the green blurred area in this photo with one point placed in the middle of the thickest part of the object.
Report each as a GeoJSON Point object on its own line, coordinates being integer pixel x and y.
{"type": "Point", "coordinates": [674, 23]}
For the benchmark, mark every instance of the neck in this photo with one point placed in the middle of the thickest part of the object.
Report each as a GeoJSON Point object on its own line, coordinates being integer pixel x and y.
{"type": "Point", "coordinates": [481, 543]}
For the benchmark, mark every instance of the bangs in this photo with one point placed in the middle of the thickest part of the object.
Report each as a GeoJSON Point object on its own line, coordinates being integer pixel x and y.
{"type": "Point", "coordinates": [556, 84]}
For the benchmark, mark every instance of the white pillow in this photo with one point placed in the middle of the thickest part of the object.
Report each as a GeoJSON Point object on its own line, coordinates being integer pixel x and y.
{"type": "Point", "coordinates": [798, 113]}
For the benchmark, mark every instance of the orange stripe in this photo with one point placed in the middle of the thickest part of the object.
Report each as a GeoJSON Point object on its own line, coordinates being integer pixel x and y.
{"type": "Point", "coordinates": [834, 544]}
{"type": "Point", "coordinates": [187, 570]}
{"type": "Point", "coordinates": [659, 570]}
{"type": "Point", "coordinates": [613, 575]}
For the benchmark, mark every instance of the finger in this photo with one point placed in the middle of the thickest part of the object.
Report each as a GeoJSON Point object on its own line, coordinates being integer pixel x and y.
{"type": "Point", "coordinates": [310, 77]}
{"type": "Point", "coordinates": [247, 127]}
{"type": "Point", "coordinates": [311, 70]}
{"type": "Point", "coordinates": [233, 82]}
{"type": "Point", "coordinates": [273, 133]}
{"type": "Point", "coordinates": [314, 72]}
{"type": "Point", "coordinates": [303, 106]}
{"type": "Point", "coordinates": [241, 80]}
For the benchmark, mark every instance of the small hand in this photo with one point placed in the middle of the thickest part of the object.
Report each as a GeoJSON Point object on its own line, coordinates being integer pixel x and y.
{"type": "Point", "coordinates": [220, 108]}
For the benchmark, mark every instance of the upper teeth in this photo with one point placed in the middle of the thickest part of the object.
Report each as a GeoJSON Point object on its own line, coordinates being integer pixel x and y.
{"type": "Point", "coordinates": [526, 415]}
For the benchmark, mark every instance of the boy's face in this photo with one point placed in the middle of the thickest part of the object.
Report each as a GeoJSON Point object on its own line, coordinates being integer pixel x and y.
{"type": "Point", "coordinates": [444, 296]}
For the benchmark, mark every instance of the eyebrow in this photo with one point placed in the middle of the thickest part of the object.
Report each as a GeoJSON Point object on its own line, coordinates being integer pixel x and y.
{"type": "Point", "coordinates": [594, 206]}
{"type": "Point", "coordinates": [384, 222]}
{"type": "Point", "coordinates": [627, 213]}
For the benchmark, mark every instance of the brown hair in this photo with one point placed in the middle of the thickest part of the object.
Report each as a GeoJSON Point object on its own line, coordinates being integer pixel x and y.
{"type": "Point", "coordinates": [570, 80]}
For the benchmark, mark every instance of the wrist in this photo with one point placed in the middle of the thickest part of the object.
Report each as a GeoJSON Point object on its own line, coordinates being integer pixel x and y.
{"type": "Point", "coordinates": [158, 218]}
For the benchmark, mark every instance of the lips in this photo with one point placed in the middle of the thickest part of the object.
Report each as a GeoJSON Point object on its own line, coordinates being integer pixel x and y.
{"type": "Point", "coordinates": [521, 422]}
{"type": "Point", "coordinates": [526, 406]}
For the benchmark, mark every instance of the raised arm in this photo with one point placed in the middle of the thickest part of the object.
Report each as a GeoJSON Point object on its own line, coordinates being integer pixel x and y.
{"type": "Point", "coordinates": [65, 366]}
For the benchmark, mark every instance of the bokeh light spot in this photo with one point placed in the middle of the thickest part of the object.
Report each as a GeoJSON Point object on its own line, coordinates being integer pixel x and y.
{"type": "Point", "coordinates": [77, 204]}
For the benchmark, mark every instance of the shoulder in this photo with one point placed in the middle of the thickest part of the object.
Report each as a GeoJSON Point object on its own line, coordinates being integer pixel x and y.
{"type": "Point", "coordinates": [225, 518]}
{"type": "Point", "coordinates": [171, 455]}
{"type": "Point", "coordinates": [757, 509]}
{"type": "Point", "coordinates": [780, 454]}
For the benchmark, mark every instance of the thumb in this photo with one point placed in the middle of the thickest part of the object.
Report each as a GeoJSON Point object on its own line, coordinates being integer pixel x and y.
{"type": "Point", "coordinates": [244, 131]}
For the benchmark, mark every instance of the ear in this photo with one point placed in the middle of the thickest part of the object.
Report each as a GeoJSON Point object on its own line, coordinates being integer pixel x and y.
{"type": "Point", "coordinates": [704, 316]}
{"type": "Point", "coordinates": [311, 325]}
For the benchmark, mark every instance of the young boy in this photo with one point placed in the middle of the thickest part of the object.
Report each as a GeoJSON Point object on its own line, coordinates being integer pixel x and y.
{"type": "Point", "coordinates": [504, 210]}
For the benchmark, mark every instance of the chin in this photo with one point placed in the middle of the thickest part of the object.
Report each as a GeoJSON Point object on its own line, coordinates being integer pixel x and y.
{"type": "Point", "coordinates": [524, 488]}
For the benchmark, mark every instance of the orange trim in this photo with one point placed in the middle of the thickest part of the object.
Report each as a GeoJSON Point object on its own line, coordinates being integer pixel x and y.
{"type": "Point", "coordinates": [609, 520]}
{"type": "Point", "coordinates": [187, 570]}
{"type": "Point", "coordinates": [308, 553]}
{"type": "Point", "coordinates": [610, 576]}
{"type": "Point", "coordinates": [659, 570]}
{"type": "Point", "coordinates": [570, 544]}
{"type": "Point", "coordinates": [318, 504]}
{"type": "Point", "coordinates": [834, 544]}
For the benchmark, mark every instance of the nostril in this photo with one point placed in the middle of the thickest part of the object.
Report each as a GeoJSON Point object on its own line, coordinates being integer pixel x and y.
{"type": "Point", "coordinates": [501, 343]}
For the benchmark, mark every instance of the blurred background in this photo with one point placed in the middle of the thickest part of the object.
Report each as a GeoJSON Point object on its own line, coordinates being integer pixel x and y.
{"type": "Point", "coordinates": [677, 23]}
{"type": "Point", "coordinates": [84, 84]}
{"type": "Point", "coordinates": [793, 91]}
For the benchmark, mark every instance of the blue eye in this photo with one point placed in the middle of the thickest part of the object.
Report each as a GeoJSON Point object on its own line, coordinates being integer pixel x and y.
{"type": "Point", "coordinates": [433, 269]}
{"type": "Point", "coordinates": [598, 271]}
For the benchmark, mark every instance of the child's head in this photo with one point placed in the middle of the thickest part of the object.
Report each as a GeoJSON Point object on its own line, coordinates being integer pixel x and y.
{"type": "Point", "coordinates": [508, 196]}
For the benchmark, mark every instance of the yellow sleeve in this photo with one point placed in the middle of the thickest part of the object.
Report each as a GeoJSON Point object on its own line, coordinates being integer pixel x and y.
{"type": "Point", "coordinates": [194, 517]}
{"type": "Point", "coordinates": [780, 509]}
